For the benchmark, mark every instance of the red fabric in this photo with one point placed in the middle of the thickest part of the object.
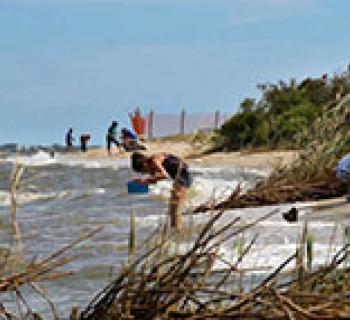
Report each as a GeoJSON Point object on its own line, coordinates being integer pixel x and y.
{"type": "Point", "coordinates": [139, 125]}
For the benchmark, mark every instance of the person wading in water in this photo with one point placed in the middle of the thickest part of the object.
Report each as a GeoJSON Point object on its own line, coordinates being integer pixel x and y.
{"type": "Point", "coordinates": [162, 166]}
{"type": "Point", "coordinates": [69, 139]}
{"type": "Point", "coordinates": [112, 136]}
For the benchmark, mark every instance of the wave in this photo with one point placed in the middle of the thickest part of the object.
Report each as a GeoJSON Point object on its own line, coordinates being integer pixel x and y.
{"type": "Point", "coordinates": [42, 159]}
{"type": "Point", "coordinates": [258, 172]}
{"type": "Point", "coordinates": [269, 256]}
{"type": "Point", "coordinates": [209, 182]}
{"type": "Point", "coordinates": [263, 257]}
{"type": "Point", "coordinates": [28, 197]}
{"type": "Point", "coordinates": [203, 188]}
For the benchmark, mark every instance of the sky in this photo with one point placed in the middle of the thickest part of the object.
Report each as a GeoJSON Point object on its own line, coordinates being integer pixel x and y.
{"type": "Point", "coordinates": [83, 63]}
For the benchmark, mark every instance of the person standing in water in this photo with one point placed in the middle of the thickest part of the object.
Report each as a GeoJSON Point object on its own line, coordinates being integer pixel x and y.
{"type": "Point", "coordinates": [162, 166]}
{"type": "Point", "coordinates": [69, 138]}
{"type": "Point", "coordinates": [84, 140]}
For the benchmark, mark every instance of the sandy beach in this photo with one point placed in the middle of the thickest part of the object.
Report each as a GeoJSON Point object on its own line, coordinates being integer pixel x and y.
{"type": "Point", "coordinates": [193, 155]}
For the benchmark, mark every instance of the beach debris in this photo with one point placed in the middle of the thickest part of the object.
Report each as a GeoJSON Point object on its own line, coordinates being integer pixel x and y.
{"type": "Point", "coordinates": [311, 176]}
{"type": "Point", "coordinates": [291, 215]}
{"type": "Point", "coordinates": [188, 285]}
{"type": "Point", "coordinates": [272, 192]}
{"type": "Point", "coordinates": [17, 271]}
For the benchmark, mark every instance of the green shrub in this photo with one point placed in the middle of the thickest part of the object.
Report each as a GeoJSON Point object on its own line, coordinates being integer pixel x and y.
{"type": "Point", "coordinates": [282, 116]}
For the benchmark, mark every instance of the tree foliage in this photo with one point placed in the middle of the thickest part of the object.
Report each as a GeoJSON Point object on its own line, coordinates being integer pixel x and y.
{"type": "Point", "coordinates": [285, 111]}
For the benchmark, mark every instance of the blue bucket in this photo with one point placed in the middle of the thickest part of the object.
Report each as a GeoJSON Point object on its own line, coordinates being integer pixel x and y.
{"type": "Point", "coordinates": [135, 187]}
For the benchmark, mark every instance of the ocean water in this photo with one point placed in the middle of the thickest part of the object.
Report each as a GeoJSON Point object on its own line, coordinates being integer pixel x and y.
{"type": "Point", "coordinates": [63, 197]}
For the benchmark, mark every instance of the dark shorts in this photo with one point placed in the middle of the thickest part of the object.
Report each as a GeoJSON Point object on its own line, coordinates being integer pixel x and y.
{"type": "Point", "coordinates": [184, 178]}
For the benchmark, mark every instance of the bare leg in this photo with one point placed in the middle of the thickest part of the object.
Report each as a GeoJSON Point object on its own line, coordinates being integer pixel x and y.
{"type": "Point", "coordinates": [177, 199]}
{"type": "Point", "coordinates": [108, 146]}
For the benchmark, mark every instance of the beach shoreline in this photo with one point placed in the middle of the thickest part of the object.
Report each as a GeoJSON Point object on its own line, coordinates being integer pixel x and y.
{"type": "Point", "coordinates": [194, 156]}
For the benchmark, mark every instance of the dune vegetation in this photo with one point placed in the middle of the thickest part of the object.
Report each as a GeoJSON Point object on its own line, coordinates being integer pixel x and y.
{"type": "Point", "coordinates": [282, 116]}
{"type": "Point", "coordinates": [313, 117]}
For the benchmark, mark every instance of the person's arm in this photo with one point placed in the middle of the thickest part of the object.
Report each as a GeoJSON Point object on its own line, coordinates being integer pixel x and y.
{"type": "Point", "coordinates": [149, 180]}
{"type": "Point", "coordinates": [160, 173]}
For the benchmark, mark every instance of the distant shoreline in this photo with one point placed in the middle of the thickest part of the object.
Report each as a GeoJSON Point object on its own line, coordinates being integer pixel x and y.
{"type": "Point", "coordinates": [183, 149]}
{"type": "Point", "coordinates": [194, 157]}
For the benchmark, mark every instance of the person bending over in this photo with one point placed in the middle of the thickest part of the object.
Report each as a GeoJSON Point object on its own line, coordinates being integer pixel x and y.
{"type": "Point", "coordinates": [130, 141]}
{"type": "Point", "coordinates": [162, 166]}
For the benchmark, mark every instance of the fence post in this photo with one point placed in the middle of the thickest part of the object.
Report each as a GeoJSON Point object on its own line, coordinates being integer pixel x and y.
{"type": "Point", "coordinates": [182, 121]}
{"type": "Point", "coordinates": [217, 119]}
{"type": "Point", "coordinates": [150, 124]}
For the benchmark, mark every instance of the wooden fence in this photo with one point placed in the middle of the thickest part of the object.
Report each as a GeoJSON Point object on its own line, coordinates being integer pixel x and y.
{"type": "Point", "coordinates": [160, 124]}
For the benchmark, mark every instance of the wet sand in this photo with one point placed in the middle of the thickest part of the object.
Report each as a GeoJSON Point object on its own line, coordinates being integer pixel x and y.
{"type": "Point", "coordinates": [252, 159]}
{"type": "Point", "coordinates": [194, 156]}
{"type": "Point", "coordinates": [330, 208]}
